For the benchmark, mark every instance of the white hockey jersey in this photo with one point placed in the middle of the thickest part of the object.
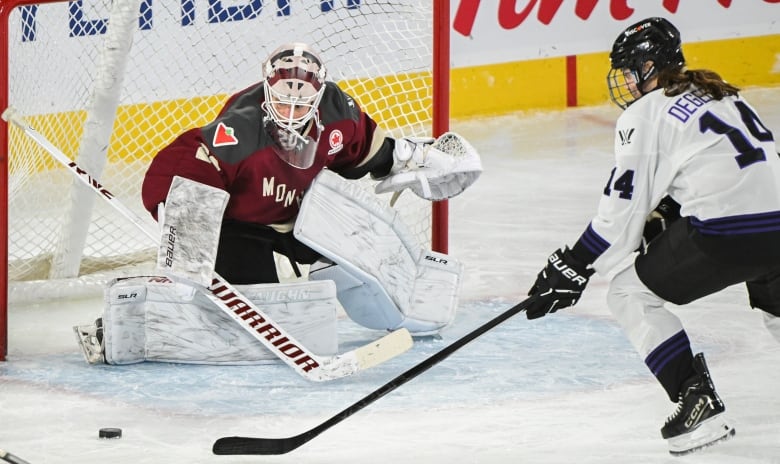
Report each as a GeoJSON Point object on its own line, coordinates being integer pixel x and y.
{"type": "Point", "coordinates": [715, 158]}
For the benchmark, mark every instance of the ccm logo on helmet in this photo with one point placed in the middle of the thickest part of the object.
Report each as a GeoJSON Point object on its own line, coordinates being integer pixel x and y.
{"type": "Point", "coordinates": [567, 272]}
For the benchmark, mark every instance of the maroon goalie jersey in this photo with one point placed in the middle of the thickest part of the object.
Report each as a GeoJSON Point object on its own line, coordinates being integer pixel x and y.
{"type": "Point", "coordinates": [235, 153]}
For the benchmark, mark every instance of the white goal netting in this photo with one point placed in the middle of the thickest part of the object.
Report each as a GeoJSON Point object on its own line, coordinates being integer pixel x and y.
{"type": "Point", "coordinates": [111, 83]}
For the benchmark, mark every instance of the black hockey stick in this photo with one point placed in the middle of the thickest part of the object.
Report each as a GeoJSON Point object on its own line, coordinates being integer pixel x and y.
{"type": "Point", "coordinates": [13, 459]}
{"type": "Point", "coordinates": [248, 445]}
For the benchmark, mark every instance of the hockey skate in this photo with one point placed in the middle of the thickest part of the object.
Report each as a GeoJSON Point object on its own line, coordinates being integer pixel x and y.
{"type": "Point", "coordinates": [90, 339]}
{"type": "Point", "coordinates": [699, 419]}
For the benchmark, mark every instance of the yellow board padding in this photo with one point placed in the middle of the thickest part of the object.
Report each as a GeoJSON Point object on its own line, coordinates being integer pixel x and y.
{"type": "Point", "coordinates": [403, 100]}
{"type": "Point", "coordinates": [501, 88]}
{"type": "Point", "coordinates": [541, 84]}
{"type": "Point", "coordinates": [62, 129]}
{"type": "Point", "coordinates": [592, 72]}
{"type": "Point", "coordinates": [744, 62]}
{"type": "Point", "coordinates": [141, 130]}
{"type": "Point", "coordinates": [749, 61]}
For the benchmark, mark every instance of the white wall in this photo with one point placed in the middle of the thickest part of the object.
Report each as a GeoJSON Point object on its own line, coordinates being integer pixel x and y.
{"type": "Point", "coordinates": [496, 31]}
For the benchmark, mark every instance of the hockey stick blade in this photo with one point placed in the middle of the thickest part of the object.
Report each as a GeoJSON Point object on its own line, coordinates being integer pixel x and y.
{"type": "Point", "coordinates": [233, 303]}
{"type": "Point", "coordinates": [13, 459]}
{"type": "Point", "coordinates": [275, 446]}
{"type": "Point", "coordinates": [365, 357]}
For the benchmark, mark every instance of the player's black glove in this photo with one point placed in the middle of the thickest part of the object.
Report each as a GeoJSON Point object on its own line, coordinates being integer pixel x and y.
{"type": "Point", "coordinates": [558, 285]}
{"type": "Point", "coordinates": [659, 220]}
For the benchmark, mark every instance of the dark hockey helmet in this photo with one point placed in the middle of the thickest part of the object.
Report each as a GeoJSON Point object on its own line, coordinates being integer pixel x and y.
{"type": "Point", "coordinates": [653, 40]}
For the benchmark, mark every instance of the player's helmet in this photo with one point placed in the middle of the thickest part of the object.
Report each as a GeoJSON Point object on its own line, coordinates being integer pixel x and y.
{"type": "Point", "coordinates": [652, 39]}
{"type": "Point", "coordinates": [293, 83]}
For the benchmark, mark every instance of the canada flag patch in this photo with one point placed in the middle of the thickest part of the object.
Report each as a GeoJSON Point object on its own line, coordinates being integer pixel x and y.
{"type": "Point", "coordinates": [336, 140]}
{"type": "Point", "coordinates": [224, 135]}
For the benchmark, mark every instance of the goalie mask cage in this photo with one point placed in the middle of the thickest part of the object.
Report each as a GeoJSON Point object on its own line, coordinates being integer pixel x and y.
{"type": "Point", "coordinates": [110, 83]}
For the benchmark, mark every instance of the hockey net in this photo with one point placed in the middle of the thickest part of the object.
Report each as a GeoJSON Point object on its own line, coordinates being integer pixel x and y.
{"type": "Point", "coordinates": [110, 83]}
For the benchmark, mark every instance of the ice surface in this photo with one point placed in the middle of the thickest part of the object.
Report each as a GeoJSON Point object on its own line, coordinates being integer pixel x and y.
{"type": "Point", "coordinates": [562, 389]}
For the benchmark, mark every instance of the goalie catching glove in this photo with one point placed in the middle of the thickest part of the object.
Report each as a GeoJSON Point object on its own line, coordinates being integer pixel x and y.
{"type": "Point", "coordinates": [434, 169]}
{"type": "Point", "coordinates": [559, 285]}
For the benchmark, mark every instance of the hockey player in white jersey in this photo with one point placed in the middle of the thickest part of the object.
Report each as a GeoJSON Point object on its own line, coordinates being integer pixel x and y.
{"type": "Point", "coordinates": [695, 188]}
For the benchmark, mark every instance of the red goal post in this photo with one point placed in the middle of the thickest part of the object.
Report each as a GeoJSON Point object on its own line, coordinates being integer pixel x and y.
{"type": "Point", "coordinates": [110, 83]}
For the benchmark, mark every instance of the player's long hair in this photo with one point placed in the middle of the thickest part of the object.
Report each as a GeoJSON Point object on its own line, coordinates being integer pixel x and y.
{"type": "Point", "coordinates": [676, 80]}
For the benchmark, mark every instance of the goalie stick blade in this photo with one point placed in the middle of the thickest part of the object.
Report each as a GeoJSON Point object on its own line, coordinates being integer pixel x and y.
{"type": "Point", "coordinates": [384, 349]}
{"type": "Point", "coordinates": [365, 357]}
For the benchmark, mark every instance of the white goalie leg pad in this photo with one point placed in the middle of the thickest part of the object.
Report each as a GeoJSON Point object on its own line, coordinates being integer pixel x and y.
{"type": "Point", "coordinates": [190, 225]}
{"type": "Point", "coordinates": [364, 300]}
{"type": "Point", "coordinates": [434, 169]}
{"type": "Point", "coordinates": [385, 279]}
{"type": "Point", "coordinates": [156, 319]}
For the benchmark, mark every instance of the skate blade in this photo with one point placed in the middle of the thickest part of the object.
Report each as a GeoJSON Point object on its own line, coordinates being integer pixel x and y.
{"type": "Point", "coordinates": [709, 433]}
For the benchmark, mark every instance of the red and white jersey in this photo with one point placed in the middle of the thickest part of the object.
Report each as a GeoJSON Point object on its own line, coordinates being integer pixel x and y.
{"type": "Point", "coordinates": [713, 157]}
{"type": "Point", "coordinates": [235, 153]}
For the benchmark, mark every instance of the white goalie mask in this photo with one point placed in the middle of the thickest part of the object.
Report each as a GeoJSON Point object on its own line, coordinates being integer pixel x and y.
{"type": "Point", "coordinates": [294, 82]}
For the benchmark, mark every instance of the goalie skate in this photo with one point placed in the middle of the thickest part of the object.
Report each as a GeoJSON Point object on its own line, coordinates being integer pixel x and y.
{"type": "Point", "coordinates": [90, 339]}
{"type": "Point", "coordinates": [699, 420]}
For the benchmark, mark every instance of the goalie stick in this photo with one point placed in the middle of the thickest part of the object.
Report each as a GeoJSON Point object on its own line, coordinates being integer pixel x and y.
{"type": "Point", "coordinates": [266, 446]}
{"type": "Point", "coordinates": [13, 459]}
{"type": "Point", "coordinates": [237, 306]}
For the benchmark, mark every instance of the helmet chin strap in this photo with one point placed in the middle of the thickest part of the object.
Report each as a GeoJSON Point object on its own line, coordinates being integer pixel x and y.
{"type": "Point", "coordinates": [644, 80]}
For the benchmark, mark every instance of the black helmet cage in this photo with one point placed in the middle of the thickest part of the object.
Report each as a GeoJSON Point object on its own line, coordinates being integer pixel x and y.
{"type": "Point", "coordinates": [653, 39]}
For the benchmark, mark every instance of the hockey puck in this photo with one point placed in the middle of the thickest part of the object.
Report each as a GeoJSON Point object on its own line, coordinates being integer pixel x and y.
{"type": "Point", "coordinates": [110, 433]}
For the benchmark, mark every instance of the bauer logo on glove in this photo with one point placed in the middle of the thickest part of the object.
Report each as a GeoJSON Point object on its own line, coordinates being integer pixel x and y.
{"type": "Point", "coordinates": [559, 285]}
{"type": "Point", "coordinates": [566, 271]}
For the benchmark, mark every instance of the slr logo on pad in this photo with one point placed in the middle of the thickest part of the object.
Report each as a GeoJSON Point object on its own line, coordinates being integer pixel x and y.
{"type": "Point", "coordinates": [224, 136]}
{"type": "Point", "coordinates": [435, 259]}
{"type": "Point", "coordinates": [336, 141]}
